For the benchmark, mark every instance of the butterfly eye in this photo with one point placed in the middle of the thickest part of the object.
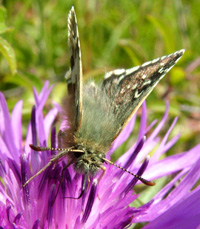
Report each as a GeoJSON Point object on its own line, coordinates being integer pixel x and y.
{"type": "Point", "coordinates": [78, 153]}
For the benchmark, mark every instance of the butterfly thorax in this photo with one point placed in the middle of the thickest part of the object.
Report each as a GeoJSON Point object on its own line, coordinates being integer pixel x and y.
{"type": "Point", "coordinates": [88, 162]}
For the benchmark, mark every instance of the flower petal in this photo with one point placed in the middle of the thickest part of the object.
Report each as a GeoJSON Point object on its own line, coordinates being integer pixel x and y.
{"type": "Point", "coordinates": [184, 214]}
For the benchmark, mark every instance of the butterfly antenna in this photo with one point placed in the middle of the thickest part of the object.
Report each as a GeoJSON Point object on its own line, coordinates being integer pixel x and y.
{"type": "Point", "coordinates": [56, 158]}
{"type": "Point", "coordinates": [40, 148]}
{"type": "Point", "coordinates": [144, 181]}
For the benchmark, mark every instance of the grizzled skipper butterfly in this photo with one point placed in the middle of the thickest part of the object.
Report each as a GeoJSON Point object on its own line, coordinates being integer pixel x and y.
{"type": "Point", "coordinates": [97, 114]}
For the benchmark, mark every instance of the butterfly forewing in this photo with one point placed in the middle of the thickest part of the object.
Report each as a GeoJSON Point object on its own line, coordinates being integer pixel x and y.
{"type": "Point", "coordinates": [129, 88]}
{"type": "Point", "coordinates": [74, 78]}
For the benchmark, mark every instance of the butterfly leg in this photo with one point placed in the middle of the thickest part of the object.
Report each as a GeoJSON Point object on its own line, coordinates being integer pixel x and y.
{"type": "Point", "coordinates": [61, 180]}
{"type": "Point", "coordinates": [83, 188]}
{"type": "Point", "coordinates": [103, 173]}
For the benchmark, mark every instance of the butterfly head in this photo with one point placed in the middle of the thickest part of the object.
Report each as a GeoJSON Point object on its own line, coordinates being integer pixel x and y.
{"type": "Point", "coordinates": [87, 161]}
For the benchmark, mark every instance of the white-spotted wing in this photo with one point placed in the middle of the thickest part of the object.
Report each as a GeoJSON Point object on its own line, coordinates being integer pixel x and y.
{"type": "Point", "coordinates": [74, 77]}
{"type": "Point", "coordinates": [128, 88]}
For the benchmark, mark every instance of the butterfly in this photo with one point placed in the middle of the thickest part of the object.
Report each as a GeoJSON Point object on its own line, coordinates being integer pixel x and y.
{"type": "Point", "coordinates": [96, 114]}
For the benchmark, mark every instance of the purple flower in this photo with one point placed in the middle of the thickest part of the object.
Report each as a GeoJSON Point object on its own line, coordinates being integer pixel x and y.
{"type": "Point", "coordinates": [105, 204]}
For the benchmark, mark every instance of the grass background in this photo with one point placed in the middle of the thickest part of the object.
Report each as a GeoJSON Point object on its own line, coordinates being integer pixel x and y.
{"type": "Point", "coordinates": [113, 34]}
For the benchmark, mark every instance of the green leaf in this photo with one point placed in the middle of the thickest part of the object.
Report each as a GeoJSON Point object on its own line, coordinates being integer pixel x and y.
{"type": "Point", "coordinates": [3, 26]}
{"type": "Point", "coordinates": [115, 37]}
{"type": "Point", "coordinates": [164, 30]}
{"type": "Point", "coordinates": [177, 76]}
{"type": "Point", "coordinates": [9, 54]}
{"type": "Point", "coordinates": [25, 80]}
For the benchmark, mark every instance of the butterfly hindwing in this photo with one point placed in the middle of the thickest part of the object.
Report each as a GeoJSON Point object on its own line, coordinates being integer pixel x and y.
{"type": "Point", "coordinates": [129, 88]}
{"type": "Point", "coordinates": [74, 78]}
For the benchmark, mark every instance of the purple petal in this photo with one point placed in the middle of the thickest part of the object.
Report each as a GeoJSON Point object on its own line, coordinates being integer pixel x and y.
{"type": "Point", "coordinates": [142, 122]}
{"type": "Point", "coordinates": [42, 93]}
{"type": "Point", "coordinates": [35, 161]}
{"type": "Point", "coordinates": [49, 119]}
{"type": "Point", "coordinates": [2, 169]}
{"type": "Point", "coordinates": [134, 180]}
{"type": "Point", "coordinates": [161, 149]}
{"type": "Point", "coordinates": [130, 160]}
{"type": "Point", "coordinates": [173, 164]}
{"type": "Point", "coordinates": [4, 151]}
{"type": "Point", "coordinates": [184, 214]}
{"type": "Point", "coordinates": [124, 135]}
{"type": "Point", "coordinates": [178, 194]}
{"type": "Point", "coordinates": [7, 130]}
{"type": "Point", "coordinates": [106, 207]}
{"type": "Point", "coordinates": [17, 125]}
{"type": "Point", "coordinates": [161, 124]}
{"type": "Point", "coordinates": [40, 102]}
{"type": "Point", "coordinates": [186, 184]}
{"type": "Point", "coordinates": [52, 193]}
{"type": "Point", "coordinates": [33, 126]}
{"type": "Point", "coordinates": [36, 224]}
{"type": "Point", "coordinates": [15, 169]}
{"type": "Point", "coordinates": [17, 218]}
{"type": "Point", "coordinates": [26, 195]}
{"type": "Point", "coordinates": [8, 213]}
{"type": "Point", "coordinates": [90, 202]}
{"type": "Point", "coordinates": [53, 140]}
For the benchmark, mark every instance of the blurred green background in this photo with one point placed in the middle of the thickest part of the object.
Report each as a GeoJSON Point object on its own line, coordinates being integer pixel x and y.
{"type": "Point", "coordinates": [113, 34]}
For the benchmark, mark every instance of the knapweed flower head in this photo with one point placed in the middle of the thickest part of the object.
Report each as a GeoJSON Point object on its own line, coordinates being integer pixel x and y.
{"type": "Point", "coordinates": [105, 203]}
